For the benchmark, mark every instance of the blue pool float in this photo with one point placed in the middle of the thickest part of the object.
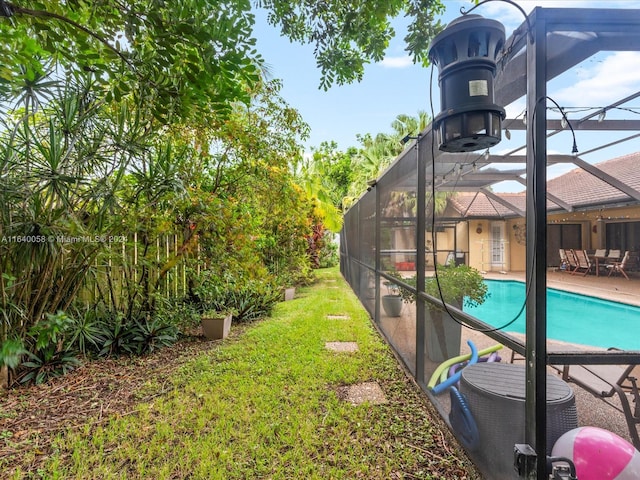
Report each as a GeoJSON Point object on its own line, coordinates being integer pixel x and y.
{"type": "Point", "coordinates": [452, 380]}
{"type": "Point", "coordinates": [462, 421]}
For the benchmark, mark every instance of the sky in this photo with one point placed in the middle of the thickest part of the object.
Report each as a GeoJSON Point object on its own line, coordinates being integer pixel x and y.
{"type": "Point", "coordinates": [396, 86]}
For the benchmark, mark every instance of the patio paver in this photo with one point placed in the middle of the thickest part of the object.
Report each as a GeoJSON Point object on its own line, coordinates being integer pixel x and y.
{"type": "Point", "coordinates": [360, 393]}
{"type": "Point", "coordinates": [341, 346]}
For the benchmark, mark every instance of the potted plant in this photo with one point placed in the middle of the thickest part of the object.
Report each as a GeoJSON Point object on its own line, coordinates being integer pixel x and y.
{"type": "Point", "coordinates": [460, 285]}
{"type": "Point", "coordinates": [457, 285]}
{"type": "Point", "coordinates": [392, 301]}
{"type": "Point", "coordinates": [216, 324]}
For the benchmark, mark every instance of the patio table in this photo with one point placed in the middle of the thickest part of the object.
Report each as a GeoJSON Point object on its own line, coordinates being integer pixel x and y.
{"type": "Point", "coordinates": [597, 262]}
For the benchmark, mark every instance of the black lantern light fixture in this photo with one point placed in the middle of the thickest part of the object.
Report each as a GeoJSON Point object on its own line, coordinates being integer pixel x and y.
{"type": "Point", "coordinates": [465, 53]}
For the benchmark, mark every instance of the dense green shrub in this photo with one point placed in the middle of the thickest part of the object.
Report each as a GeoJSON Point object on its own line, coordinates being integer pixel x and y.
{"type": "Point", "coordinates": [328, 254]}
{"type": "Point", "coordinates": [251, 299]}
{"type": "Point", "coordinates": [183, 313]}
{"type": "Point", "coordinates": [248, 298]}
{"type": "Point", "coordinates": [136, 337]}
{"type": "Point", "coordinates": [155, 333]}
{"type": "Point", "coordinates": [85, 331]}
{"type": "Point", "coordinates": [48, 351]}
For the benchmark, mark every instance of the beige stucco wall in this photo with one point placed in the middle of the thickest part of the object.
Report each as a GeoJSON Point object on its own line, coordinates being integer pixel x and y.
{"type": "Point", "coordinates": [473, 237]}
{"type": "Point", "coordinates": [592, 238]}
{"type": "Point", "coordinates": [516, 230]}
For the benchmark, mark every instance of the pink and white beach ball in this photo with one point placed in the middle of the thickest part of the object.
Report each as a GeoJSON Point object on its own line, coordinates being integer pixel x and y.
{"type": "Point", "coordinates": [599, 454]}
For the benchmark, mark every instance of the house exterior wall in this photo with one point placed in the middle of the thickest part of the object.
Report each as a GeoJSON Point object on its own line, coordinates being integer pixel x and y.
{"type": "Point", "coordinates": [473, 237]}
{"type": "Point", "coordinates": [517, 233]}
{"type": "Point", "coordinates": [592, 223]}
{"type": "Point", "coordinates": [478, 244]}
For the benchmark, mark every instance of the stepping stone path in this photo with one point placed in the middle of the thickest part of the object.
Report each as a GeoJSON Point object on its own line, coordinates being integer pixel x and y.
{"type": "Point", "coordinates": [367, 392]}
{"type": "Point", "coordinates": [361, 393]}
{"type": "Point", "coordinates": [342, 346]}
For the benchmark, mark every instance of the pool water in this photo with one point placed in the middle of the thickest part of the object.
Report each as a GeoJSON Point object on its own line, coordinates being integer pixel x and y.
{"type": "Point", "coordinates": [571, 317]}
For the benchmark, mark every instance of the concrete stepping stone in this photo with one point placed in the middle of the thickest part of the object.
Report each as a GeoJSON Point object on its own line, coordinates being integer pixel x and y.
{"type": "Point", "coordinates": [338, 317]}
{"type": "Point", "coordinates": [341, 346]}
{"type": "Point", "coordinates": [359, 393]}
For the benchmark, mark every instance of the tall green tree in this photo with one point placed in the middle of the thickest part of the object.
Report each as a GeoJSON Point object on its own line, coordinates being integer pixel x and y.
{"type": "Point", "coordinates": [348, 35]}
{"type": "Point", "coordinates": [406, 125]}
{"type": "Point", "coordinates": [378, 151]}
{"type": "Point", "coordinates": [193, 58]}
{"type": "Point", "coordinates": [326, 176]}
{"type": "Point", "coordinates": [60, 169]}
{"type": "Point", "coordinates": [188, 59]}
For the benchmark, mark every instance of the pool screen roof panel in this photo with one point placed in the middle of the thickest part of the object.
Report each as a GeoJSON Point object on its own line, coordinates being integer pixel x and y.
{"type": "Point", "coordinates": [573, 36]}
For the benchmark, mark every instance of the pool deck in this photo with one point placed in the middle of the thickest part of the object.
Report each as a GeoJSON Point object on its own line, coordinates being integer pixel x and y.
{"type": "Point", "coordinates": [591, 410]}
{"type": "Point", "coordinates": [615, 288]}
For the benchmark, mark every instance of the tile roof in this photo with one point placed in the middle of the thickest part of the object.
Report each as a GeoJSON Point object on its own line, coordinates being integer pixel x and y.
{"type": "Point", "coordinates": [578, 188]}
{"type": "Point", "coordinates": [471, 205]}
{"type": "Point", "coordinates": [581, 189]}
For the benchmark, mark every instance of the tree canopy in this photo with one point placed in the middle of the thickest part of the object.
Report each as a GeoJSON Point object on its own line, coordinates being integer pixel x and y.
{"type": "Point", "coordinates": [348, 35]}
{"type": "Point", "coordinates": [189, 59]}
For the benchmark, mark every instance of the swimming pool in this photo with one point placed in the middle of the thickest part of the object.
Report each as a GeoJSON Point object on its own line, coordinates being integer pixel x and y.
{"type": "Point", "coordinates": [571, 317]}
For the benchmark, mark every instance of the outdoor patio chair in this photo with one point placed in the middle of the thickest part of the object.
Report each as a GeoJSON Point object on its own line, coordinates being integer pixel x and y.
{"type": "Point", "coordinates": [564, 261]}
{"type": "Point", "coordinates": [606, 381]}
{"type": "Point", "coordinates": [584, 264]}
{"type": "Point", "coordinates": [619, 267]}
{"type": "Point", "coordinates": [573, 262]}
{"type": "Point", "coordinates": [600, 259]}
{"type": "Point", "coordinates": [614, 256]}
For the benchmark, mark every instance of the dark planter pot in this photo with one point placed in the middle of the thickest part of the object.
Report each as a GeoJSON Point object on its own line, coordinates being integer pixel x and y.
{"type": "Point", "coordinates": [392, 305]}
{"type": "Point", "coordinates": [442, 336]}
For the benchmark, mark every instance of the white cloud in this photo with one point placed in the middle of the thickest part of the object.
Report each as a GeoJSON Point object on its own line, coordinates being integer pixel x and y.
{"type": "Point", "coordinates": [397, 62]}
{"type": "Point", "coordinates": [516, 109]}
{"type": "Point", "coordinates": [612, 79]}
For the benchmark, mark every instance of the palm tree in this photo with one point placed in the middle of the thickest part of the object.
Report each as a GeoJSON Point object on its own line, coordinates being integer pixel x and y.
{"type": "Point", "coordinates": [380, 151]}
{"type": "Point", "coordinates": [405, 125]}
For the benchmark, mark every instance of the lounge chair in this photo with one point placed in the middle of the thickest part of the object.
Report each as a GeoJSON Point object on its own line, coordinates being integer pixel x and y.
{"type": "Point", "coordinates": [619, 267]}
{"type": "Point", "coordinates": [604, 382]}
{"type": "Point", "coordinates": [564, 261]}
{"type": "Point", "coordinates": [584, 264]}
{"type": "Point", "coordinates": [573, 262]}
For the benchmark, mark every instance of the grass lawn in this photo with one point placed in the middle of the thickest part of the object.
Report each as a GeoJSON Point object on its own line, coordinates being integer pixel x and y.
{"type": "Point", "coordinates": [266, 403]}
